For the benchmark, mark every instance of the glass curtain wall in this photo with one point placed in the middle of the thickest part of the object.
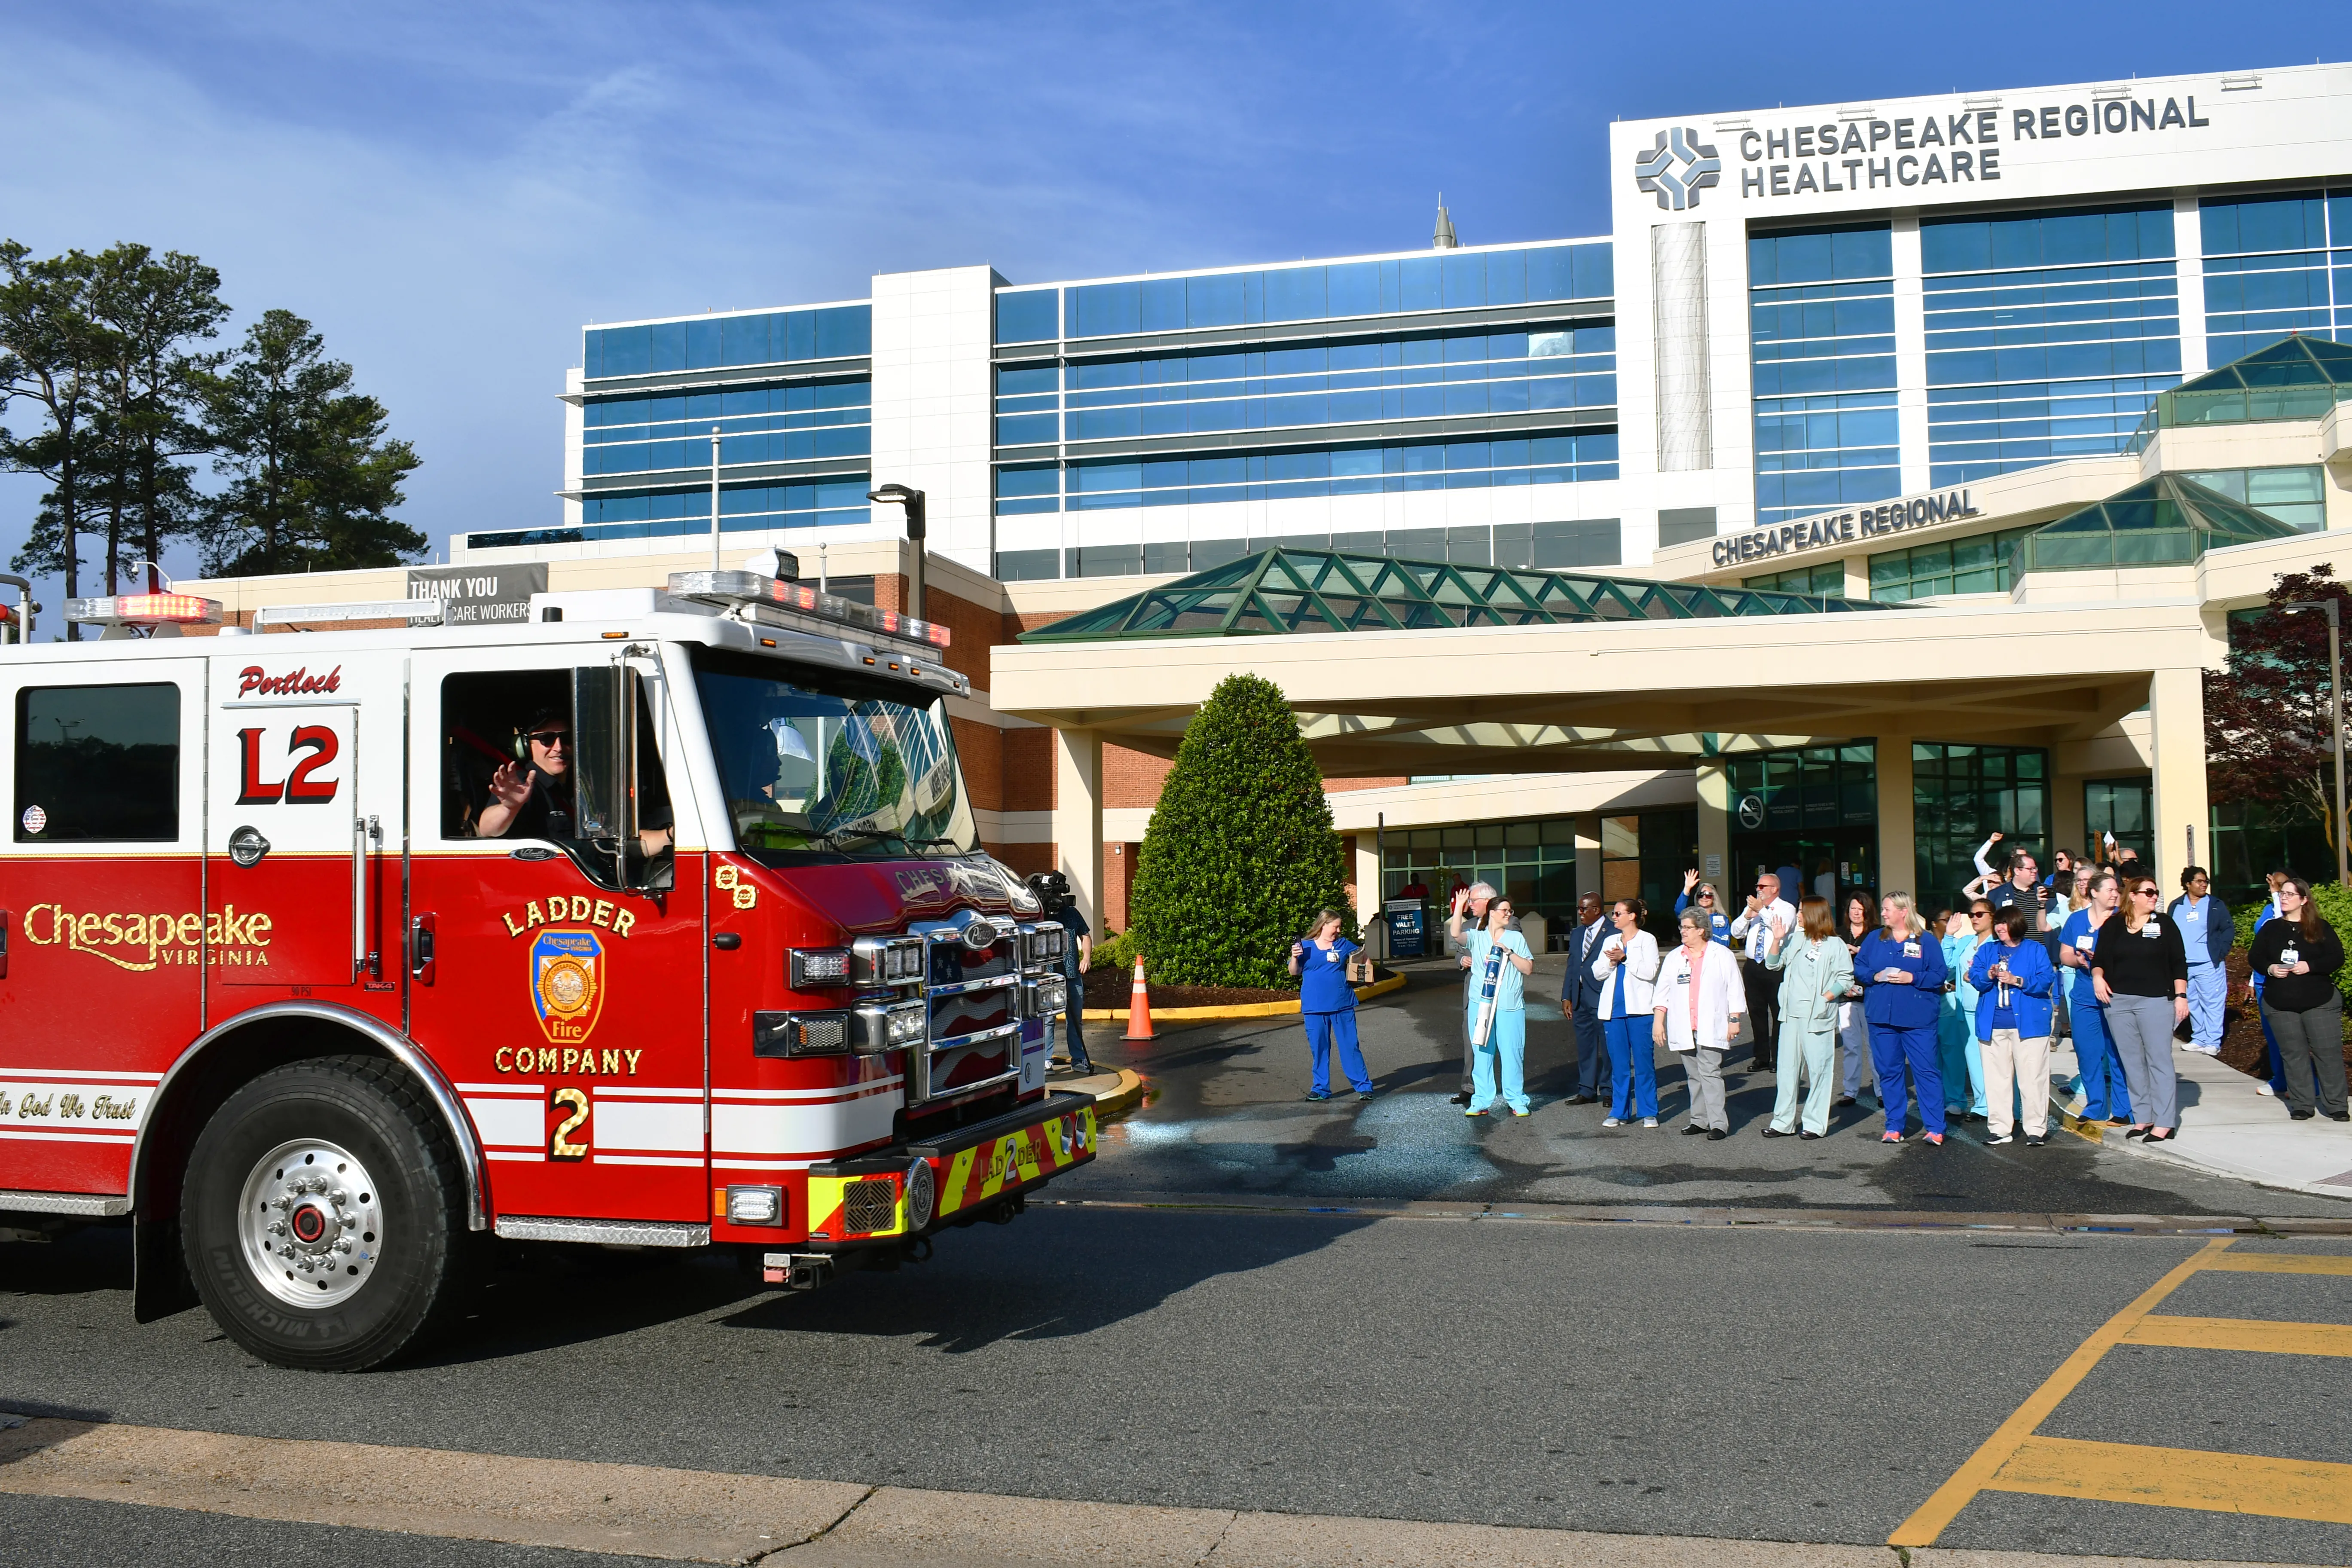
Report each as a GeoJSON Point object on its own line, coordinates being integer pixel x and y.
{"type": "Point", "coordinates": [2048, 335]}
{"type": "Point", "coordinates": [1961, 794]}
{"type": "Point", "coordinates": [1821, 309]}
{"type": "Point", "coordinates": [1534, 862]}
{"type": "Point", "coordinates": [1815, 808]}
{"type": "Point", "coordinates": [2277, 265]}
{"type": "Point", "coordinates": [2123, 807]}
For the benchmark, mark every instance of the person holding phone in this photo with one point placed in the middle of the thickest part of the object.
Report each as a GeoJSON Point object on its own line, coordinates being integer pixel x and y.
{"type": "Point", "coordinates": [1326, 1004]}
{"type": "Point", "coordinates": [1902, 973]}
{"type": "Point", "coordinates": [2297, 955]}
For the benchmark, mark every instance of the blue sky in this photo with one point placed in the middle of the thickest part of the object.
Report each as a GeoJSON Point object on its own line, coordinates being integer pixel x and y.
{"type": "Point", "coordinates": [450, 192]}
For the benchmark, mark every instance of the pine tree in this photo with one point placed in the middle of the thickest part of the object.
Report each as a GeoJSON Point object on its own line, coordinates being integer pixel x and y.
{"type": "Point", "coordinates": [1240, 854]}
{"type": "Point", "coordinates": [312, 476]}
{"type": "Point", "coordinates": [52, 356]}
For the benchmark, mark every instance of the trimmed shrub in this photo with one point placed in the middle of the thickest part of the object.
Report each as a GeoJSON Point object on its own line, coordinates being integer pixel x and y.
{"type": "Point", "coordinates": [1240, 853]}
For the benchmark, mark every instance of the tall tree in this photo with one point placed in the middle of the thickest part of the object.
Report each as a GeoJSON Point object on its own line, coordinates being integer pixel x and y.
{"type": "Point", "coordinates": [2268, 736]}
{"type": "Point", "coordinates": [52, 359]}
{"type": "Point", "coordinates": [154, 309]}
{"type": "Point", "coordinates": [1240, 853]}
{"type": "Point", "coordinates": [312, 476]}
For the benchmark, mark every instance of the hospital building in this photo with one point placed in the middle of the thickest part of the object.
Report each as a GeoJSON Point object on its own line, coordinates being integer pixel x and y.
{"type": "Point", "coordinates": [1888, 472]}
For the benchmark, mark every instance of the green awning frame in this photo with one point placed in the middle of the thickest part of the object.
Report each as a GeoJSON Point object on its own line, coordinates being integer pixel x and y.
{"type": "Point", "coordinates": [1280, 592]}
{"type": "Point", "coordinates": [2165, 521]}
{"type": "Point", "coordinates": [2296, 378]}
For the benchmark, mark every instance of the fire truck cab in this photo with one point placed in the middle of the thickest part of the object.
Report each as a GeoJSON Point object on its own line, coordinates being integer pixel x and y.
{"type": "Point", "coordinates": [659, 920]}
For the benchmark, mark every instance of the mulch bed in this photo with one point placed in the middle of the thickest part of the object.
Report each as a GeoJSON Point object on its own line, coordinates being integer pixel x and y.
{"type": "Point", "coordinates": [2242, 1029]}
{"type": "Point", "coordinates": [1114, 987]}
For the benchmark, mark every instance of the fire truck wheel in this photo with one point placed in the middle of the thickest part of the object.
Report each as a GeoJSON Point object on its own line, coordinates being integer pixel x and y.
{"type": "Point", "coordinates": [323, 1215]}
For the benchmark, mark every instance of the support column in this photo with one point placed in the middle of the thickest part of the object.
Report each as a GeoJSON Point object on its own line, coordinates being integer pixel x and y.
{"type": "Point", "coordinates": [1078, 818]}
{"type": "Point", "coordinates": [2067, 828]}
{"type": "Point", "coordinates": [2176, 702]}
{"type": "Point", "coordinates": [1368, 889]}
{"type": "Point", "coordinates": [1714, 824]}
{"type": "Point", "coordinates": [1588, 855]}
{"type": "Point", "coordinates": [1898, 849]}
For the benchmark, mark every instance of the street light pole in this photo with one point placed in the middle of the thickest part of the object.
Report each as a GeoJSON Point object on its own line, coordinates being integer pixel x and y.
{"type": "Point", "coordinates": [2331, 608]}
{"type": "Point", "coordinates": [714, 498]}
{"type": "Point", "coordinates": [916, 527]}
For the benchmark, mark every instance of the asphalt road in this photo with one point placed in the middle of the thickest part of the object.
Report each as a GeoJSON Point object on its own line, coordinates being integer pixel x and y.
{"type": "Point", "coordinates": [1773, 1384]}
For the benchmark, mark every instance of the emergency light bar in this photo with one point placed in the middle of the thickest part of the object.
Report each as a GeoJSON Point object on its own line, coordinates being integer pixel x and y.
{"type": "Point", "coordinates": [145, 610]}
{"type": "Point", "coordinates": [430, 611]}
{"type": "Point", "coordinates": [751, 587]}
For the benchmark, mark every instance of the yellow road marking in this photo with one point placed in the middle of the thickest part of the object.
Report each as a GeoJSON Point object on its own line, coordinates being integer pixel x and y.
{"type": "Point", "coordinates": [2244, 1334]}
{"type": "Point", "coordinates": [2281, 1263]}
{"type": "Point", "coordinates": [1936, 1515]}
{"type": "Point", "coordinates": [2180, 1477]}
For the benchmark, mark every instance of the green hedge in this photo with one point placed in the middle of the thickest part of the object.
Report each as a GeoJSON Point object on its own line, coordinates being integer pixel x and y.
{"type": "Point", "coordinates": [1241, 852]}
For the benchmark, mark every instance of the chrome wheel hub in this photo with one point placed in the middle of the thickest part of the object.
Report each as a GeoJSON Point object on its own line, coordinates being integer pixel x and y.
{"type": "Point", "coordinates": [310, 1223]}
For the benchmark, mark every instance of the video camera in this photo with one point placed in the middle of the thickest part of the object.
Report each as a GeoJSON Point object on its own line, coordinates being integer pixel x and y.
{"type": "Point", "coordinates": [1052, 890]}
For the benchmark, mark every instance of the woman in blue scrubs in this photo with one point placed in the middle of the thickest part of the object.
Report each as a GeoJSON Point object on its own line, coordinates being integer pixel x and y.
{"type": "Point", "coordinates": [1326, 1004]}
{"type": "Point", "coordinates": [1901, 971]}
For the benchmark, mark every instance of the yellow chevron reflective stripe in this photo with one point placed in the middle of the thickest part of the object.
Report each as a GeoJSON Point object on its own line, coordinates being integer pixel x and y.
{"type": "Point", "coordinates": [951, 1194]}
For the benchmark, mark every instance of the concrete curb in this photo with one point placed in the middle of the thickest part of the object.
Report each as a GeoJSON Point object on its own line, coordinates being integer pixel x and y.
{"type": "Point", "coordinates": [1112, 1103]}
{"type": "Point", "coordinates": [677, 1515]}
{"type": "Point", "coordinates": [2063, 1113]}
{"type": "Point", "coordinates": [1240, 1010]}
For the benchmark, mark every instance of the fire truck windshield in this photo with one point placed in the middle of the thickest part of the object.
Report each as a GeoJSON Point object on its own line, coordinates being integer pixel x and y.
{"type": "Point", "coordinates": [822, 763]}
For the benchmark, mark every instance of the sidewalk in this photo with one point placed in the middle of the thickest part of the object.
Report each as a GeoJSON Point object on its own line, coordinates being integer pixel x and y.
{"type": "Point", "coordinates": [2228, 1128]}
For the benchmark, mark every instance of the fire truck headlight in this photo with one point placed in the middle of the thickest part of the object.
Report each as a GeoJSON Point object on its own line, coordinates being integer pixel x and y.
{"type": "Point", "coordinates": [801, 1034]}
{"type": "Point", "coordinates": [1047, 995]}
{"type": "Point", "coordinates": [903, 1025]}
{"type": "Point", "coordinates": [810, 967]}
{"type": "Point", "coordinates": [886, 960]}
{"type": "Point", "coordinates": [755, 1206]}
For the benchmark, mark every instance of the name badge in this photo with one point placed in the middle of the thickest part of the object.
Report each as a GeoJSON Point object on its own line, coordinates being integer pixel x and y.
{"type": "Point", "coordinates": [1910, 950]}
{"type": "Point", "coordinates": [2149, 931]}
{"type": "Point", "coordinates": [2289, 956]}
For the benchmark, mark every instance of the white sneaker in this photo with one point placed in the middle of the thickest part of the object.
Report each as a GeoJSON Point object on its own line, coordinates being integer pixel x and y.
{"type": "Point", "coordinates": [1649, 1122]}
{"type": "Point", "coordinates": [1610, 1122]}
{"type": "Point", "coordinates": [2265, 1090]}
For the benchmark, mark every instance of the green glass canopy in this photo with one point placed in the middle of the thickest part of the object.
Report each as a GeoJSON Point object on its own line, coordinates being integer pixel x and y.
{"type": "Point", "coordinates": [1281, 590]}
{"type": "Point", "coordinates": [2163, 521]}
{"type": "Point", "coordinates": [2294, 378]}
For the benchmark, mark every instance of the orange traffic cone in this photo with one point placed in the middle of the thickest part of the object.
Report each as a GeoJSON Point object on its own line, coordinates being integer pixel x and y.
{"type": "Point", "coordinates": [1139, 1007]}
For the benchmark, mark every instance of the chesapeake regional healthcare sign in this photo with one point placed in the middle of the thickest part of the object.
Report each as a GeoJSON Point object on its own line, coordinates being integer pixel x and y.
{"type": "Point", "coordinates": [1845, 527]}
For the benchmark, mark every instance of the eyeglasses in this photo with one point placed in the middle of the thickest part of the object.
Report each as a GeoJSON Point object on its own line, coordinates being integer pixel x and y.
{"type": "Point", "coordinates": [551, 739]}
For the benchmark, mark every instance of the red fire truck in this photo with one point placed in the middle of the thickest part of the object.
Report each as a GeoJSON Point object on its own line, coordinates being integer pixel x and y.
{"type": "Point", "coordinates": [658, 919]}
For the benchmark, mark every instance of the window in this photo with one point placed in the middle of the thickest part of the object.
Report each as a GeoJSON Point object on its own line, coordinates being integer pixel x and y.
{"type": "Point", "coordinates": [2124, 807]}
{"type": "Point", "coordinates": [498, 730]}
{"type": "Point", "coordinates": [1027, 565]}
{"type": "Point", "coordinates": [1533, 862]}
{"type": "Point", "coordinates": [2277, 265]}
{"type": "Point", "coordinates": [2048, 335]}
{"type": "Point", "coordinates": [1978, 564]}
{"type": "Point", "coordinates": [1826, 578]}
{"type": "Point", "coordinates": [98, 764]}
{"type": "Point", "coordinates": [1821, 345]}
{"type": "Point", "coordinates": [2294, 496]}
{"type": "Point", "coordinates": [1962, 793]}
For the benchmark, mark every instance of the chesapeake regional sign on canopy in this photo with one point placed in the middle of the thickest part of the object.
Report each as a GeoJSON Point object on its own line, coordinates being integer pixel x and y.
{"type": "Point", "coordinates": [1845, 527]}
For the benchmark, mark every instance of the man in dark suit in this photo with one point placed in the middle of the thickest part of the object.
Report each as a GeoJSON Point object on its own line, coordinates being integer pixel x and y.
{"type": "Point", "coordinates": [1580, 995]}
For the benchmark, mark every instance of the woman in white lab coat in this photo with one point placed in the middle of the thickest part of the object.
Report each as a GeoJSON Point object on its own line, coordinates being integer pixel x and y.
{"type": "Point", "coordinates": [1626, 966]}
{"type": "Point", "coordinates": [1695, 1010]}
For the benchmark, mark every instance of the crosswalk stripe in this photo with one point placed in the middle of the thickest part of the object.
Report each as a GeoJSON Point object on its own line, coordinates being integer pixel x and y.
{"type": "Point", "coordinates": [2244, 1334]}
{"type": "Point", "coordinates": [2180, 1477]}
{"type": "Point", "coordinates": [2278, 1263]}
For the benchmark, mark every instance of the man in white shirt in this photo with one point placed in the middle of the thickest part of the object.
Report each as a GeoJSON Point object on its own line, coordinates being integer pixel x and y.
{"type": "Point", "coordinates": [1752, 929]}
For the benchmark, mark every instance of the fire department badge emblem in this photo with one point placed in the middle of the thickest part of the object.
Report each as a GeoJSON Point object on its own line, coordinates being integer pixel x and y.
{"type": "Point", "coordinates": [567, 984]}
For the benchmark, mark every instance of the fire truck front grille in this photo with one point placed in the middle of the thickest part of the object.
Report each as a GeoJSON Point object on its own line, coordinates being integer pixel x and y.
{"type": "Point", "coordinates": [869, 1206]}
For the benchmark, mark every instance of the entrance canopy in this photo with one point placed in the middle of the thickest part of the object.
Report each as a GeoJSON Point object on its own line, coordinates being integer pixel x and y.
{"type": "Point", "coordinates": [1422, 669]}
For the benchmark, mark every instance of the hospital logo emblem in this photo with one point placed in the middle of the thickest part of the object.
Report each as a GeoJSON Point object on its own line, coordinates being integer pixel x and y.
{"type": "Point", "coordinates": [567, 984]}
{"type": "Point", "coordinates": [1677, 169]}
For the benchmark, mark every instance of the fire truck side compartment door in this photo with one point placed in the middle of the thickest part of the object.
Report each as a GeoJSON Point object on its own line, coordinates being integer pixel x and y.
{"type": "Point", "coordinates": [287, 843]}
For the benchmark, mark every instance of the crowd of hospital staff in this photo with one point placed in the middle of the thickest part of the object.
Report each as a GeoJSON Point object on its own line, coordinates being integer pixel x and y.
{"type": "Point", "coordinates": [1956, 1009]}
